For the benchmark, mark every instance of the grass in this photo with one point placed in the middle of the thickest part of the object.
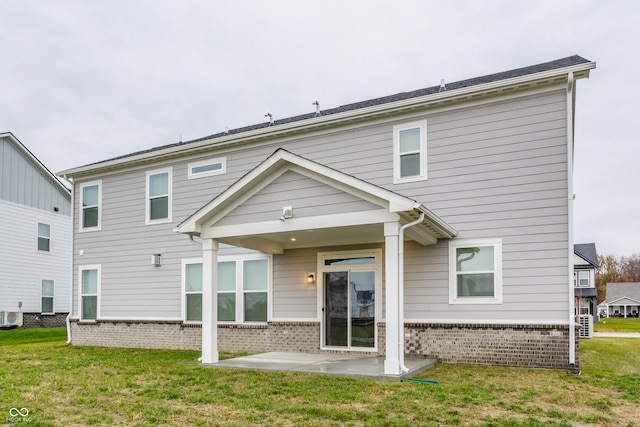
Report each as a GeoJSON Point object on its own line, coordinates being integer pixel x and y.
{"type": "Point", "coordinates": [617, 324]}
{"type": "Point", "coordinates": [66, 385]}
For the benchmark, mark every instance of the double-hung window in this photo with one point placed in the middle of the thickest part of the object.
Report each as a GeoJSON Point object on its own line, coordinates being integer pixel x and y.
{"type": "Point", "coordinates": [475, 271]}
{"type": "Point", "coordinates": [581, 279]}
{"type": "Point", "coordinates": [243, 286]}
{"type": "Point", "coordinates": [192, 271]}
{"type": "Point", "coordinates": [47, 294]}
{"type": "Point", "coordinates": [89, 291]}
{"type": "Point", "coordinates": [158, 203]}
{"type": "Point", "coordinates": [44, 237]}
{"type": "Point", "coordinates": [410, 152]}
{"type": "Point", "coordinates": [90, 203]}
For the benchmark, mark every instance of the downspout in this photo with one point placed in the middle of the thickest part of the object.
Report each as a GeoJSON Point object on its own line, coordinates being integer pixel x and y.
{"type": "Point", "coordinates": [401, 290]}
{"type": "Point", "coordinates": [570, 195]}
{"type": "Point", "coordinates": [68, 321]}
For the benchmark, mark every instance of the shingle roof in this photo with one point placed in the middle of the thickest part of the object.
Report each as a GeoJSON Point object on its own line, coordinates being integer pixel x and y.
{"type": "Point", "coordinates": [615, 291]}
{"type": "Point", "coordinates": [587, 251]}
{"type": "Point", "coordinates": [519, 72]}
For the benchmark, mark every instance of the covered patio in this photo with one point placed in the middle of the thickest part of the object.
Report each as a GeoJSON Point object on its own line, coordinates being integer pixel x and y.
{"type": "Point", "coordinates": [288, 202]}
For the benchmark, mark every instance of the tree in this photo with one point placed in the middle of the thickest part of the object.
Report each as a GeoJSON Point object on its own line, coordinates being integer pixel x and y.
{"type": "Point", "coordinates": [630, 268]}
{"type": "Point", "coordinates": [608, 272]}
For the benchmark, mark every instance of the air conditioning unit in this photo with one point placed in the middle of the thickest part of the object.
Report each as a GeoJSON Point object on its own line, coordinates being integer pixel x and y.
{"type": "Point", "coordinates": [10, 319]}
{"type": "Point", "coordinates": [586, 326]}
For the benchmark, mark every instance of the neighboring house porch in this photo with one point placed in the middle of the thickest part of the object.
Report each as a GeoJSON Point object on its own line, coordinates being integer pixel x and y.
{"type": "Point", "coordinates": [623, 300]}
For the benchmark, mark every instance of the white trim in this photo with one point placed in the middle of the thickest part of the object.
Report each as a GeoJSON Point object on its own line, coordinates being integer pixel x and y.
{"type": "Point", "coordinates": [147, 207]}
{"type": "Point", "coordinates": [422, 126]}
{"type": "Point", "coordinates": [497, 271]}
{"type": "Point", "coordinates": [137, 319]}
{"type": "Point", "coordinates": [81, 227]}
{"type": "Point", "coordinates": [194, 175]}
{"type": "Point", "coordinates": [82, 268]}
{"type": "Point", "coordinates": [376, 267]}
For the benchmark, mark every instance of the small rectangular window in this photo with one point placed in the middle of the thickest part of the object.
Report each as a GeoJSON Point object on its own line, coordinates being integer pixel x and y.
{"type": "Point", "coordinates": [583, 279]}
{"type": "Point", "coordinates": [475, 271]}
{"type": "Point", "coordinates": [208, 167]}
{"type": "Point", "coordinates": [47, 297]}
{"type": "Point", "coordinates": [410, 152]}
{"type": "Point", "coordinates": [255, 280]}
{"type": "Point", "coordinates": [158, 206]}
{"type": "Point", "coordinates": [227, 291]}
{"type": "Point", "coordinates": [44, 237]}
{"type": "Point", "coordinates": [89, 287]}
{"type": "Point", "coordinates": [90, 202]}
{"type": "Point", "coordinates": [193, 292]}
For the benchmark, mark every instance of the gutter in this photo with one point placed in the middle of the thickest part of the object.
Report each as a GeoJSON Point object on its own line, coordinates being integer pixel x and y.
{"type": "Point", "coordinates": [68, 321]}
{"type": "Point", "coordinates": [570, 196]}
{"type": "Point", "coordinates": [401, 336]}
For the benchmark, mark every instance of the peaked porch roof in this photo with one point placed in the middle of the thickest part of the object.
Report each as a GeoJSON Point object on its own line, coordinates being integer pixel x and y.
{"type": "Point", "coordinates": [272, 234]}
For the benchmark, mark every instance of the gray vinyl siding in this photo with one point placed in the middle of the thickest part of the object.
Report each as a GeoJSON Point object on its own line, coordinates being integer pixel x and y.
{"type": "Point", "coordinates": [494, 171]}
{"type": "Point", "coordinates": [24, 183]}
{"type": "Point", "coordinates": [309, 198]}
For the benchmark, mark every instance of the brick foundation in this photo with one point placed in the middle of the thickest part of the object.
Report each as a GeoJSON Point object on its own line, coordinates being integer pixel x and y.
{"type": "Point", "coordinates": [531, 346]}
{"type": "Point", "coordinates": [37, 320]}
{"type": "Point", "coordinates": [535, 346]}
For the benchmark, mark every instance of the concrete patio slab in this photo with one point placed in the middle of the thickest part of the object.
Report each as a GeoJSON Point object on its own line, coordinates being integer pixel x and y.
{"type": "Point", "coordinates": [371, 367]}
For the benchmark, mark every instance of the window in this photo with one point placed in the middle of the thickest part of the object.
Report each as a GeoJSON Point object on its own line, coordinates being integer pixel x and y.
{"type": "Point", "coordinates": [89, 290]}
{"type": "Point", "coordinates": [581, 279]}
{"type": "Point", "coordinates": [44, 237]}
{"type": "Point", "coordinates": [242, 290]}
{"type": "Point", "coordinates": [475, 272]}
{"type": "Point", "coordinates": [158, 209]}
{"type": "Point", "coordinates": [193, 291]}
{"type": "Point", "coordinates": [207, 168]}
{"type": "Point", "coordinates": [410, 152]}
{"type": "Point", "coordinates": [90, 200]}
{"type": "Point", "coordinates": [47, 297]}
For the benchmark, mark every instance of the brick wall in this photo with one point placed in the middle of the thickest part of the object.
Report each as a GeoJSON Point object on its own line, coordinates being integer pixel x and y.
{"type": "Point", "coordinates": [535, 346]}
{"type": "Point", "coordinates": [531, 346]}
{"type": "Point", "coordinates": [38, 320]}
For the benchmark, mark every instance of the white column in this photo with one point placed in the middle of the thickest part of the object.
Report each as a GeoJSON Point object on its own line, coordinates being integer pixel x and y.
{"type": "Point", "coordinates": [392, 315]}
{"type": "Point", "coordinates": [209, 301]}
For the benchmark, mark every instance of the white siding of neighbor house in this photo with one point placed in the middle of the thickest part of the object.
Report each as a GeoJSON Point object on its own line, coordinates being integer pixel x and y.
{"type": "Point", "coordinates": [22, 267]}
{"type": "Point", "coordinates": [494, 171]}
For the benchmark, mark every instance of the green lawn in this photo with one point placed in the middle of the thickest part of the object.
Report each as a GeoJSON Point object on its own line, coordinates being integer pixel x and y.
{"type": "Point", "coordinates": [64, 385]}
{"type": "Point", "coordinates": [617, 324]}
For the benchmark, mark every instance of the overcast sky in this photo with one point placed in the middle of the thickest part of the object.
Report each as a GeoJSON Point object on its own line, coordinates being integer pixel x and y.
{"type": "Point", "coordinates": [83, 81]}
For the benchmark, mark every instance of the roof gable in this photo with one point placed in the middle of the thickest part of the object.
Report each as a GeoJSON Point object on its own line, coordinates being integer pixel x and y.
{"type": "Point", "coordinates": [283, 165]}
{"type": "Point", "coordinates": [587, 251]}
{"type": "Point", "coordinates": [616, 291]}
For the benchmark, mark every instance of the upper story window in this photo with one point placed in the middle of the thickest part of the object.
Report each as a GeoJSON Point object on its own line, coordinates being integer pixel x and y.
{"type": "Point", "coordinates": [44, 237]}
{"type": "Point", "coordinates": [158, 204]}
{"type": "Point", "coordinates": [208, 167]}
{"type": "Point", "coordinates": [91, 206]}
{"type": "Point", "coordinates": [410, 152]}
{"type": "Point", "coordinates": [47, 297]}
{"type": "Point", "coordinates": [581, 279]}
{"type": "Point", "coordinates": [475, 271]}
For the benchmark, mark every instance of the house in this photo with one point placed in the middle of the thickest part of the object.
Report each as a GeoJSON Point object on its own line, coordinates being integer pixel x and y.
{"type": "Point", "coordinates": [432, 223]}
{"type": "Point", "coordinates": [623, 299]}
{"type": "Point", "coordinates": [584, 279]}
{"type": "Point", "coordinates": [35, 255]}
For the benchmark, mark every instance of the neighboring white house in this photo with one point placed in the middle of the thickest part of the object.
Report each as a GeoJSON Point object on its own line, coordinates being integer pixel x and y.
{"type": "Point", "coordinates": [434, 223]}
{"type": "Point", "coordinates": [623, 300]}
{"type": "Point", "coordinates": [35, 255]}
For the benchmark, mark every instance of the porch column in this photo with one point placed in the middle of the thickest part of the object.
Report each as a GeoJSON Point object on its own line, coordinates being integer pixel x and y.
{"type": "Point", "coordinates": [392, 313]}
{"type": "Point", "coordinates": [209, 301]}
